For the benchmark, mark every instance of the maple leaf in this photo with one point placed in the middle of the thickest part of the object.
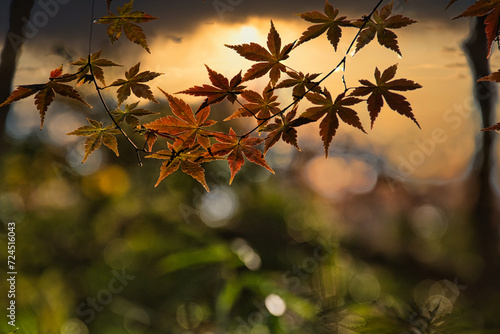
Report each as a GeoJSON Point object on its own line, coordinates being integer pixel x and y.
{"type": "Point", "coordinates": [97, 135]}
{"type": "Point", "coordinates": [492, 77]}
{"type": "Point", "coordinates": [189, 160]}
{"type": "Point", "coordinates": [379, 25]}
{"type": "Point", "coordinates": [495, 127]}
{"type": "Point", "coordinates": [491, 8]}
{"type": "Point", "coordinates": [235, 148]}
{"type": "Point", "coordinates": [268, 61]}
{"type": "Point", "coordinates": [220, 90]}
{"type": "Point", "coordinates": [185, 126]}
{"type": "Point", "coordinates": [261, 106]}
{"type": "Point", "coordinates": [300, 83]}
{"type": "Point", "coordinates": [331, 110]}
{"type": "Point", "coordinates": [328, 23]}
{"type": "Point", "coordinates": [130, 114]}
{"type": "Point", "coordinates": [381, 91]}
{"type": "Point", "coordinates": [96, 62]}
{"type": "Point", "coordinates": [45, 93]}
{"type": "Point", "coordinates": [125, 21]}
{"type": "Point", "coordinates": [281, 129]}
{"type": "Point", "coordinates": [132, 83]}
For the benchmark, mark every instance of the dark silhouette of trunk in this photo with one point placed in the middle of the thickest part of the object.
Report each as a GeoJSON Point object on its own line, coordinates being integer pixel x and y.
{"type": "Point", "coordinates": [484, 216]}
{"type": "Point", "coordinates": [20, 11]}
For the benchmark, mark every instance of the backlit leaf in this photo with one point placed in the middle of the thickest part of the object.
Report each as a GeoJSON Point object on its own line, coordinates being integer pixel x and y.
{"type": "Point", "coordinates": [96, 135]}
{"type": "Point", "coordinates": [381, 91]}
{"type": "Point", "coordinates": [490, 8]}
{"type": "Point", "coordinates": [220, 90]}
{"type": "Point", "coordinates": [184, 126]}
{"type": "Point", "coordinates": [132, 83]}
{"type": "Point", "coordinates": [235, 148]}
{"type": "Point", "coordinates": [268, 61]}
{"type": "Point", "coordinates": [329, 22]}
{"type": "Point", "coordinates": [130, 114]}
{"type": "Point", "coordinates": [379, 25]}
{"type": "Point", "coordinates": [281, 129]}
{"type": "Point", "coordinates": [125, 22]}
{"type": "Point", "coordinates": [331, 110]}
{"type": "Point", "coordinates": [45, 93]}
{"type": "Point", "coordinates": [97, 63]}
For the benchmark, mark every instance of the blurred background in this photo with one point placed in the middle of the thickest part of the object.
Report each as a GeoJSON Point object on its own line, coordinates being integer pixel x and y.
{"type": "Point", "coordinates": [395, 232]}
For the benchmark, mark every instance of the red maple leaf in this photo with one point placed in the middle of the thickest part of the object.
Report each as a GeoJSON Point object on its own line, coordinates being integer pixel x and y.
{"type": "Point", "coordinates": [132, 83]}
{"type": "Point", "coordinates": [281, 129]}
{"type": "Point", "coordinates": [381, 91]}
{"type": "Point", "coordinates": [328, 23]}
{"type": "Point", "coordinates": [330, 109]}
{"type": "Point", "coordinates": [268, 61]}
{"type": "Point", "coordinates": [235, 148]}
{"type": "Point", "coordinates": [45, 93]}
{"type": "Point", "coordinates": [490, 8]}
{"type": "Point", "coordinates": [379, 25]}
{"type": "Point", "coordinates": [261, 106]}
{"type": "Point", "coordinates": [220, 90]}
{"type": "Point", "coordinates": [184, 126]}
{"type": "Point", "coordinates": [300, 83]}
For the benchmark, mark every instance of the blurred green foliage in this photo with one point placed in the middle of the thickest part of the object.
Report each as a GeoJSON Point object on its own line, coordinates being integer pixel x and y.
{"type": "Point", "coordinates": [109, 253]}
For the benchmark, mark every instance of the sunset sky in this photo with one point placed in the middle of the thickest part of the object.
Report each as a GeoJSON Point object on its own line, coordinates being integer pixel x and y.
{"type": "Point", "coordinates": [192, 33]}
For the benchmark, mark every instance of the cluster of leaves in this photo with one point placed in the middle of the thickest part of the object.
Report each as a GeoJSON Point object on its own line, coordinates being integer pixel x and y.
{"type": "Point", "coordinates": [187, 140]}
{"type": "Point", "coordinates": [490, 9]}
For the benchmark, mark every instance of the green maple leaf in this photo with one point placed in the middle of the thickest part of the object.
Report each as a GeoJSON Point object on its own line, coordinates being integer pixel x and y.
{"type": "Point", "coordinates": [132, 83]}
{"type": "Point", "coordinates": [130, 114]}
{"type": "Point", "coordinates": [96, 135]}
{"type": "Point", "coordinates": [125, 22]}
{"type": "Point", "coordinates": [381, 90]}
{"type": "Point", "coordinates": [97, 63]}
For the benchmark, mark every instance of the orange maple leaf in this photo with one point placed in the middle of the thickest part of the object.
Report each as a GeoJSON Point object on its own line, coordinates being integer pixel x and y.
{"type": "Point", "coordinates": [235, 148]}
{"type": "Point", "coordinates": [220, 90]}
{"type": "Point", "coordinates": [188, 159]}
{"type": "Point", "coordinates": [185, 126]}
{"type": "Point", "coordinates": [268, 61]}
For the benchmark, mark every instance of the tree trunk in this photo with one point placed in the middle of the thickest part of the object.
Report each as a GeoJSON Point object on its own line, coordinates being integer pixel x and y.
{"type": "Point", "coordinates": [485, 225]}
{"type": "Point", "coordinates": [20, 11]}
